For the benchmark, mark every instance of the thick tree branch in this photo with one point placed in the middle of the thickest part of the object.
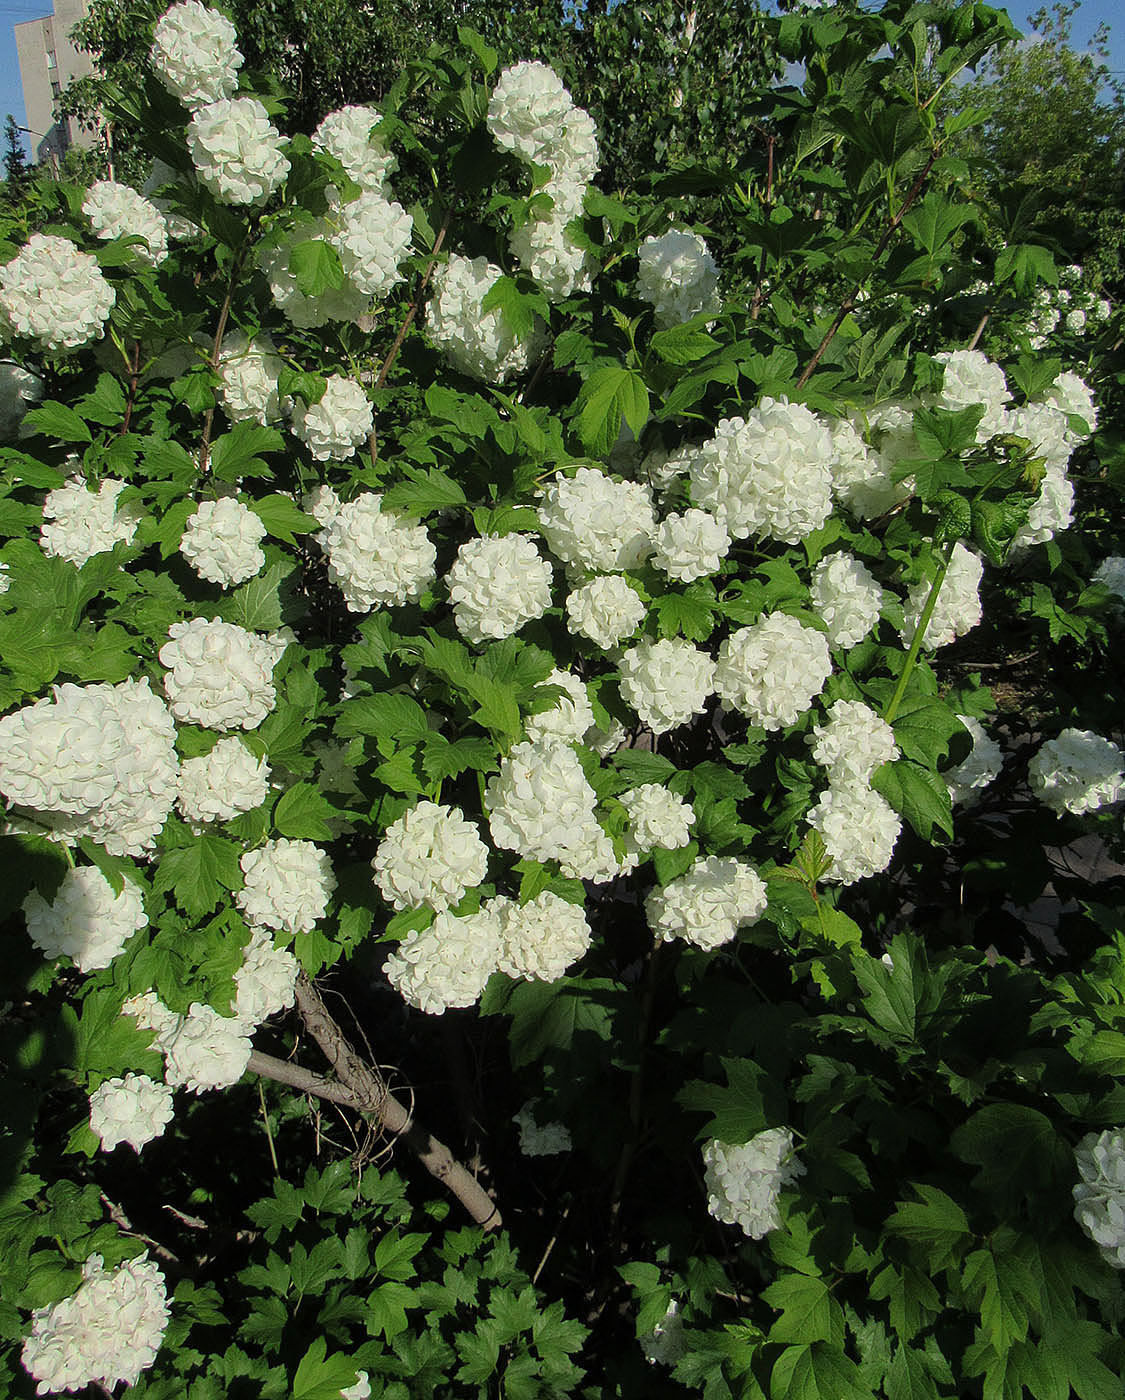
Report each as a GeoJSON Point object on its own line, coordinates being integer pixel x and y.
{"type": "Point", "coordinates": [297, 1077]}
{"type": "Point", "coordinates": [370, 1095]}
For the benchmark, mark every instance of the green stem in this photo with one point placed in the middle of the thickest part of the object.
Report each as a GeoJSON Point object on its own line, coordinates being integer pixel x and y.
{"type": "Point", "coordinates": [919, 634]}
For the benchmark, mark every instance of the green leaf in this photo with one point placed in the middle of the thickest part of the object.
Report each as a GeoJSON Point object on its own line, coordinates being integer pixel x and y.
{"type": "Point", "coordinates": [816, 1372]}
{"type": "Point", "coordinates": [609, 394]}
{"type": "Point", "coordinates": [55, 420]}
{"type": "Point", "coordinates": [681, 345]}
{"type": "Point", "coordinates": [395, 721]}
{"type": "Point", "coordinates": [485, 55]}
{"type": "Point", "coordinates": [806, 1309]}
{"type": "Point", "coordinates": [924, 727]}
{"type": "Point", "coordinates": [688, 614]}
{"type": "Point", "coordinates": [640, 766]}
{"type": "Point", "coordinates": [105, 1041]}
{"type": "Point", "coordinates": [936, 1224]}
{"type": "Point", "coordinates": [322, 1377]}
{"type": "Point", "coordinates": [257, 604]}
{"type": "Point", "coordinates": [947, 432]}
{"type": "Point", "coordinates": [425, 491]}
{"type": "Point", "coordinates": [1000, 1285]}
{"type": "Point", "coordinates": [442, 759]}
{"type": "Point", "coordinates": [236, 454]}
{"type": "Point", "coordinates": [552, 1015]}
{"type": "Point", "coordinates": [918, 794]}
{"type": "Point", "coordinates": [283, 518]}
{"type": "Point", "coordinates": [738, 1110]}
{"type": "Point", "coordinates": [303, 812]}
{"type": "Point", "coordinates": [200, 873]}
{"type": "Point", "coordinates": [1017, 1149]}
{"type": "Point", "coordinates": [316, 266]}
{"type": "Point", "coordinates": [517, 308]}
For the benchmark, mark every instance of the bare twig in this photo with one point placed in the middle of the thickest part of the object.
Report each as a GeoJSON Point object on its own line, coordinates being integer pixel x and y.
{"type": "Point", "coordinates": [193, 1222]}
{"type": "Point", "coordinates": [123, 1223]}
{"type": "Point", "coordinates": [216, 352]}
{"type": "Point", "coordinates": [972, 345]}
{"type": "Point", "coordinates": [371, 1095]}
{"type": "Point", "coordinates": [767, 207]}
{"type": "Point", "coordinates": [134, 376]}
{"type": "Point", "coordinates": [849, 301]}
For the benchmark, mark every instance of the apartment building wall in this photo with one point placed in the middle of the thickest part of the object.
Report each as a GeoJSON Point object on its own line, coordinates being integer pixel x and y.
{"type": "Point", "coordinates": [48, 60]}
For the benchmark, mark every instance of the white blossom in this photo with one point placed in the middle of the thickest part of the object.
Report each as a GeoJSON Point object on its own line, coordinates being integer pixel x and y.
{"type": "Point", "coordinates": [744, 1181]}
{"type": "Point", "coordinates": [446, 964]}
{"type": "Point", "coordinates": [343, 303]}
{"type": "Point", "coordinates": [657, 817]}
{"type": "Point", "coordinates": [288, 884]}
{"type": "Point", "coordinates": [546, 250]}
{"type": "Point", "coordinates": [690, 546]}
{"type": "Point", "coordinates": [108, 1331]}
{"type": "Point", "coordinates": [666, 1344]}
{"type": "Point", "coordinates": [1051, 511]}
{"type": "Point", "coordinates": [20, 390]}
{"type": "Point", "coordinates": [195, 54]}
{"type": "Point", "coordinates": [335, 426]}
{"type": "Point", "coordinates": [219, 675]}
{"type": "Point", "coordinates": [1072, 396]}
{"type": "Point", "coordinates": [479, 344]}
{"type": "Point", "coordinates": [527, 112]}
{"type": "Point", "coordinates": [86, 920]}
{"type": "Point", "coordinates": [569, 718]}
{"type": "Point", "coordinates": [853, 743]}
{"type": "Point", "coordinates": [118, 211]}
{"type": "Point", "coordinates": [541, 1139]}
{"type": "Point", "coordinates": [133, 1109]}
{"type": "Point", "coordinates": [679, 277]}
{"type": "Point", "coordinates": [863, 477]}
{"type": "Point", "coordinates": [498, 583]}
{"type": "Point", "coordinates": [249, 371]}
{"type": "Point", "coordinates": [218, 785]}
{"type": "Point", "coordinates": [859, 829]}
{"type": "Point", "coordinates": [373, 238]}
{"type": "Point", "coordinates": [378, 558]}
{"type": "Point", "coordinates": [542, 938]}
{"type": "Point", "coordinates": [204, 1050]}
{"type": "Point", "coordinates": [360, 1391]}
{"type": "Point", "coordinates": [971, 378]}
{"type": "Point", "coordinates": [97, 761]}
{"type": "Point", "coordinates": [772, 670]}
{"type": "Point", "coordinates": [79, 523]}
{"type": "Point", "coordinates": [595, 522]}
{"type": "Point", "coordinates": [430, 855]}
{"type": "Point", "coordinates": [237, 150]}
{"type": "Point", "coordinates": [1078, 772]}
{"type": "Point", "coordinates": [54, 293]}
{"type": "Point", "coordinates": [1099, 1196]}
{"type": "Point", "coordinates": [1110, 573]}
{"type": "Point", "coordinates": [958, 607]}
{"type": "Point", "coordinates": [348, 135]}
{"type": "Point", "coordinates": [605, 611]}
{"type": "Point", "coordinates": [266, 982]}
{"type": "Point", "coordinates": [708, 905]}
{"type": "Point", "coordinates": [984, 762]}
{"type": "Point", "coordinates": [222, 541]}
{"type": "Point", "coordinates": [666, 682]}
{"type": "Point", "coordinates": [769, 474]}
{"type": "Point", "coordinates": [845, 595]}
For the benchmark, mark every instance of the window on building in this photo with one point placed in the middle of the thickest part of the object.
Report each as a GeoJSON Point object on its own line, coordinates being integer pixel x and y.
{"type": "Point", "coordinates": [52, 61]}
{"type": "Point", "coordinates": [56, 90]}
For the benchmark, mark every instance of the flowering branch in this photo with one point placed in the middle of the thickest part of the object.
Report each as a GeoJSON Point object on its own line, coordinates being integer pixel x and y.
{"type": "Point", "coordinates": [370, 1095]}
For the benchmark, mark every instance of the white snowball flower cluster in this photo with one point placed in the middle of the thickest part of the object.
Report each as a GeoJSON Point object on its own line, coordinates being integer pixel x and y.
{"type": "Point", "coordinates": [541, 1139]}
{"type": "Point", "coordinates": [195, 54]}
{"type": "Point", "coordinates": [606, 611]}
{"type": "Point", "coordinates": [1078, 772]}
{"type": "Point", "coordinates": [343, 303]}
{"type": "Point", "coordinates": [348, 135]}
{"type": "Point", "coordinates": [20, 390]}
{"type": "Point", "coordinates": [657, 817]}
{"type": "Point", "coordinates": [335, 427]}
{"type": "Point", "coordinates": [1110, 573]}
{"type": "Point", "coordinates": [377, 557]}
{"type": "Point", "coordinates": [360, 1391]}
{"type": "Point", "coordinates": [477, 343]}
{"type": "Point", "coordinates": [117, 211]}
{"type": "Point", "coordinates": [249, 371]}
{"type": "Point", "coordinates": [373, 238]}
{"type": "Point", "coordinates": [679, 277]}
{"type": "Point", "coordinates": [859, 829]}
{"type": "Point", "coordinates": [446, 964]}
{"type": "Point", "coordinates": [567, 721]}
{"type": "Point", "coordinates": [288, 884]}
{"type": "Point", "coordinates": [95, 760]}
{"type": "Point", "coordinates": [1071, 395]}
{"type": "Point", "coordinates": [772, 670]}
{"type": "Point", "coordinates": [527, 112]}
{"type": "Point", "coordinates": [541, 806]}
{"type": "Point", "coordinates": [54, 293]}
{"type": "Point", "coordinates": [542, 938]}
{"type": "Point", "coordinates": [690, 546]}
{"type": "Point", "coordinates": [769, 474]}
{"type": "Point", "coordinates": [958, 608]}
{"type": "Point", "coordinates": [322, 503]}
{"type": "Point", "coordinates": [595, 522]}
{"type": "Point", "coordinates": [218, 785]}
{"type": "Point", "coordinates": [970, 377]}
{"type": "Point", "coordinates": [219, 675]}
{"type": "Point", "coordinates": [496, 584]}
{"type": "Point", "coordinates": [853, 743]}
{"type": "Point", "coordinates": [545, 248]}
{"type": "Point", "coordinates": [1046, 429]}
{"type": "Point", "coordinates": [744, 1181]}
{"type": "Point", "coordinates": [663, 468]}
{"type": "Point", "coordinates": [86, 920]}
{"type": "Point", "coordinates": [1099, 1197]}
{"type": "Point", "coordinates": [237, 150]}
{"type": "Point", "coordinates": [846, 597]}
{"type": "Point", "coordinates": [204, 1050]}
{"type": "Point", "coordinates": [708, 905]}
{"type": "Point", "coordinates": [133, 1109]}
{"type": "Point", "coordinates": [159, 177]}
{"type": "Point", "coordinates": [430, 855]}
{"type": "Point", "coordinates": [222, 541]}
{"type": "Point", "coordinates": [79, 523]}
{"type": "Point", "coordinates": [861, 477]}
{"type": "Point", "coordinates": [109, 1330]}
{"type": "Point", "coordinates": [984, 762]}
{"type": "Point", "coordinates": [666, 682]}
{"type": "Point", "coordinates": [1051, 511]}
{"type": "Point", "coordinates": [266, 982]}
{"type": "Point", "coordinates": [666, 1344]}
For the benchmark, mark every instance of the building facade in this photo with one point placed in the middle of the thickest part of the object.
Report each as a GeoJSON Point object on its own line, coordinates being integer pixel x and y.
{"type": "Point", "coordinates": [48, 61]}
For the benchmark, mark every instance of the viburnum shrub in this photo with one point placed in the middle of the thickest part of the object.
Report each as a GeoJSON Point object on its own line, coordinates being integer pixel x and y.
{"type": "Point", "coordinates": [453, 615]}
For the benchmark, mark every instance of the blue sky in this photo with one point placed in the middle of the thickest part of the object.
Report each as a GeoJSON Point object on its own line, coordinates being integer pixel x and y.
{"type": "Point", "coordinates": [1086, 20]}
